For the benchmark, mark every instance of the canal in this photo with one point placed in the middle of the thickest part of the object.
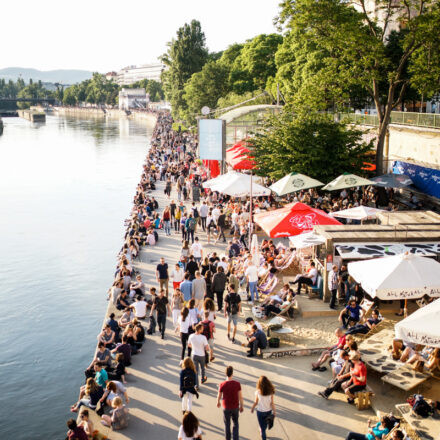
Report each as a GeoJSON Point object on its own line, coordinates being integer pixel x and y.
{"type": "Point", "coordinates": [66, 187]}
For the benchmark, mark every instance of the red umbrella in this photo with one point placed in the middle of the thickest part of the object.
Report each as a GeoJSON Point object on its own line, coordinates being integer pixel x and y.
{"type": "Point", "coordinates": [242, 160]}
{"type": "Point", "coordinates": [293, 220]}
{"type": "Point", "coordinates": [232, 151]}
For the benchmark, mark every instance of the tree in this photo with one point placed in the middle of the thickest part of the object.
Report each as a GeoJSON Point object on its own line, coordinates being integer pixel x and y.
{"type": "Point", "coordinates": [255, 63]}
{"type": "Point", "coordinates": [348, 49]}
{"type": "Point", "coordinates": [310, 143]}
{"type": "Point", "coordinates": [186, 55]}
{"type": "Point", "coordinates": [155, 90]}
{"type": "Point", "coordinates": [205, 88]}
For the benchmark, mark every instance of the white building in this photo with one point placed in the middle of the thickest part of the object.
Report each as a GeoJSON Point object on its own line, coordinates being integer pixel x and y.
{"type": "Point", "coordinates": [132, 98]}
{"type": "Point", "coordinates": [131, 74]}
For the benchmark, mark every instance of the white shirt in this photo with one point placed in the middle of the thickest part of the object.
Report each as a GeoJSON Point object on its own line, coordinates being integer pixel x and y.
{"type": "Point", "coordinates": [264, 402]}
{"type": "Point", "coordinates": [204, 210]}
{"type": "Point", "coordinates": [252, 273]}
{"type": "Point", "coordinates": [223, 264]}
{"type": "Point", "coordinates": [177, 275]}
{"type": "Point", "coordinates": [182, 435]}
{"type": "Point", "coordinates": [216, 214]}
{"type": "Point", "coordinates": [196, 249]}
{"type": "Point", "coordinates": [184, 325]}
{"type": "Point", "coordinates": [313, 274]}
{"type": "Point", "coordinates": [193, 316]}
{"type": "Point", "coordinates": [140, 308]}
{"type": "Point", "coordinates": [198, 344]}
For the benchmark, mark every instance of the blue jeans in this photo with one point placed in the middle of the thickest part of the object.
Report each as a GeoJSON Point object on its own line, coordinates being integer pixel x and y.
{"type": "Point", "coordinates": [199, 361]}
{"type": "Point", "coordinates": [229, 414]}
{"type": "Point", "coordinates": [167, 227]}
{"type": "Point", "coordinates": [253, 289]}
{"type": "Point", "coordinates": [261, 416]}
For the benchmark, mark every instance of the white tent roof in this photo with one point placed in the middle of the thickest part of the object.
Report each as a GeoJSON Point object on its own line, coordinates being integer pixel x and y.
{"type": "Point", "coordinates": [306, 240]}
{"type": "Point", "coordinates": [403, 276]}
{"type": "Point", "coordinates": [225, 177]}
{"type": "Point", "coordinates": [294, 182]}
{"type": "Point", "coordinates": [357, 213]}
{"type": "Point", "coordinates": [421, 327]}
{"type": "Point", "coordinates": [239, 185]}
{"type": "Point", "coordinates": [347, 180]}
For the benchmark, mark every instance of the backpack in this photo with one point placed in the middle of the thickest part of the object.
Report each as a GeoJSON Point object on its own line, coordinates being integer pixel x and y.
{"type": "Point", "coordinates": [233, 304]}
{"type": "Point", "coordinates": [421, 407]}
{"type": "Point", "coordinates": [188, 379]}
{"type": "Point", "coordinates": [196, 213]}
{"type": "Point", "coordinates": [191, 224]}
{"type": "Point", "coordinates": [207, 330]}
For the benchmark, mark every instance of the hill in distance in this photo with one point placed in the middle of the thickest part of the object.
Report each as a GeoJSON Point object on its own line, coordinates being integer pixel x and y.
{"type": "Point", "coordinates": [62, 76]}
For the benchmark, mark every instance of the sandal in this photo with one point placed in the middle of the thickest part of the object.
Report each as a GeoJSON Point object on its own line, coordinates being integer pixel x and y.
{"type": "Point", "coordinates": [322, 369]}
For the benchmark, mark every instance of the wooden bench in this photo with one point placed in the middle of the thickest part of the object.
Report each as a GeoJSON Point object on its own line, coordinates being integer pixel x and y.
{"type": "Point", "coordinates": [363, 398]}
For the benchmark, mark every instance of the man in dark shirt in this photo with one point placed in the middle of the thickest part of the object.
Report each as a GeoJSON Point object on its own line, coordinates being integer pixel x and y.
{"type": "Point", "coordinates": [365, 328]}
{"type": "Point", "coordinates": [192, 267]}
{"type": "Point", "coordinates": [125, 349]}
{"type": "Point", "coordinates": [351, 314]}
{"type": "Point", "coordinates": [221, 224]}
{"type": "Point", "coordinates": [161, 306]}
{"type": "Point", "coordinates": [257, 340]}
{"type": "Point", "coordinates": [162, 275]}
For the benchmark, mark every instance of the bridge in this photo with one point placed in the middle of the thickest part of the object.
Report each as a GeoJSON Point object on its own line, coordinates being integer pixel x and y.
{"type": "Point", "coordinates": [31, 100]}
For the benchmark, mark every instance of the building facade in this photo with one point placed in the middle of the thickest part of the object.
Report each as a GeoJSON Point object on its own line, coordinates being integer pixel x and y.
{"type": "Point", "coordinates": [131, 74]}
{"type": "Point", "coordinates": [132, 98]}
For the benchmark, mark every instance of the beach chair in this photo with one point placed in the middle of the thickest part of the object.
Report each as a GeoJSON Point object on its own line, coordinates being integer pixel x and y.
{"type": "Point", "coordinates": [270, 287]}
{"type": "Point", "coordinates": [317, 288]}
{"type": "Point", "coordinates": [287, 308]}
{"type": "Point", "coordinates": [289, 262]}
{"type": "Point", "coordinates": [366, 305]}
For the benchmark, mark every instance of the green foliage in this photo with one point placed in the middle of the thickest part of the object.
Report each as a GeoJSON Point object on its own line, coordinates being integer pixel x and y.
{"type": "Point", "coordinates": [312, 144]}
{"type": "Point", "coordinates": [185, 56]}
{"type": "Point", "coordinates": [32, 91]}
{"type": "Point", "coordinates": [97, 90]}
{"type": "Point", "coordinates": [204, 89]}
{"type": "Point", "coordinates": [232, 99]}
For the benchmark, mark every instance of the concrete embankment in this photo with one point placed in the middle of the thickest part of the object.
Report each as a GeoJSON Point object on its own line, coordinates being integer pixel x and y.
{"type": "Point", "coordinates": [109, 113]}
{"type": "Point", "coordinates": [32, 115]}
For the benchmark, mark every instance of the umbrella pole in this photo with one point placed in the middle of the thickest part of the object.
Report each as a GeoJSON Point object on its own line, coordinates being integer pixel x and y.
{"type": "Point", "coordinates": [250, 213]}
{"type": "Point", "coordinates": [405, 309]}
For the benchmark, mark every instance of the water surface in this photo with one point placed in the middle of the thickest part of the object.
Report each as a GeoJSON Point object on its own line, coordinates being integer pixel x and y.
{"type": "Point", "coordinates": [65, 189]}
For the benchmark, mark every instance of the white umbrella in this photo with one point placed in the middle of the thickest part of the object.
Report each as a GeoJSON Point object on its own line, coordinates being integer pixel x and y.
{"type": "Point", "coordinates": [357, 213]}
{"type": "Point", "coordinates": [421, 327]}
{"type": "Point", "coordinates": [239, 185]}
{"type": "Point", "coordinates": [306, 240]}
{"type": "Point", "coordinates": [225, 177]}
{"type": "Point", "coordinates": [405, 276]}
{"type": "Point", "coordinates": [294, 182]}
{"type": "Point", "coordinates": [347, 180]}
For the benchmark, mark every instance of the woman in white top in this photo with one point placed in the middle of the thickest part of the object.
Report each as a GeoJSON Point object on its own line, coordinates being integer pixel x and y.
{"type": "Point", "coordinates": [176, 306]}
{"type": "Point", "coordinates": [189, 429]}
{"type": "Point", "coordinates": [264, 403]}
{"type": "Point", "coordinates": [177, 275]}
{"type": "Point", "coordinates": [209, 306]}
{"type": "Point", "coordinates": [194, 315]}
{"type": "Point", "coordinates": [183, 324]}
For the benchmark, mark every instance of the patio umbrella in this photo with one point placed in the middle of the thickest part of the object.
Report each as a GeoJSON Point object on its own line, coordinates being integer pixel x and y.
{"type": "Point", "coordinates": [357, 213]}
{"type": "Point", "coordinates": [255, 251]}
{"type": "Point", "coordinates": [294, 182]}
{"type": "Point", "coordinates": [347, 180]}
{"type": "Point", "coordinates": [306, 239]}
{"type": "Point", "coordinates": [239, 185]}
{"type": "Point", "coordinates": [422, 326]}
{"type": "Point", "coordinates": [393, 181]}
{"type": "Point", "coordinates": [296, 219]}
{"type": "Point", "coordinates": [209, 183]}
{"type": "Point", "coordinates": [232, 151]}
{"type": "Point", "coordinates": [242, 160]}
{"type": "Point", "coordinates": [404, 276]}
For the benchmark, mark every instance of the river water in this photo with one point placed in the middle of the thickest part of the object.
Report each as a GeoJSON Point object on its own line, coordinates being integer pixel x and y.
{"type": "Point", "coordinates": [66, 187]}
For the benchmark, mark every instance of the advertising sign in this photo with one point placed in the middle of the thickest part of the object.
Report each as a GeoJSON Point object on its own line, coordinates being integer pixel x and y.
{"type": "Point", "coordinates": [212, 139]}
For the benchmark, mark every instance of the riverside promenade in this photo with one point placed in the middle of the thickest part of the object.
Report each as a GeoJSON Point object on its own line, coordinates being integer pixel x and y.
{"type": "Point", "coordinates": [153, 379]}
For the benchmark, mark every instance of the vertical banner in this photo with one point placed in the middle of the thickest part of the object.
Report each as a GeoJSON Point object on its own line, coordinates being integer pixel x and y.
{"type": "Point", "coordinates": [212, 139]}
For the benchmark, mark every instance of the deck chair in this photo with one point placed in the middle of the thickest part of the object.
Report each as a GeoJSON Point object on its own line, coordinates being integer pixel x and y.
{"type": "Point", "coordinates": [366, 306]}
{"type": "Point", "coordinates": [269, 288]}
{"type": "Point", "coordinates": [289, 262]}
{"type": "Point", "coordinates": [286, 309]}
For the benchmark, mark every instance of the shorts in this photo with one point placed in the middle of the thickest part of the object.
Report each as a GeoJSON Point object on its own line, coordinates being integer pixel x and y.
{"type": "Point", "coordinates": [176, 284]}
{"type": "Point", "coordinates": [233, 318]}
{"type": "Point", "coordinates": [211, 343]}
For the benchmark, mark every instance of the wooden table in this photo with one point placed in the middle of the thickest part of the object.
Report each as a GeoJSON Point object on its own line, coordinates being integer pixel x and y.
{"type": "Point", "coordinates": [426, 429]}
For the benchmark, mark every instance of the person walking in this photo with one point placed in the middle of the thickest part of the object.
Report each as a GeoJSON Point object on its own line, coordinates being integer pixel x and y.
{"type": "Point", "coordinates": [221, 225]}
{"type": "Point", "coordinates": [162, 275]}
{"type": "Point", "coordinates": [177, 275]}
{"type": "Point", "coordinates": [198, 290]}
{"type": "Point", "coordinates": [190, 226]}
{"type": "Point", "coordinates": [232, 309]}
{"type": "Point", "coordinates": [203, 211]}
{"type": "Point", "coordinates": [161, 306]}
{"type": "Point", "coordinates": [199, 345]}
{"type": "Point", "coordinates": [197, 250]}
{"type": "Point", "coordinates": [188, 378]}
{"type": "Point", "coordinates": [264, 404]}
{"type": "Point", "coordinates": [166, 220]}
{"type": "Point", "coordinates": [218, 286]}
{"type": "Point", "coordinates": [252, 278]}
{"type": "Point", "coordinates": [231, 397]}
{"type": "Point", "coordinates": [189, 429]}
{"type": "Point", "coordinates": [183, 324]}
{"type": "Point", "coordinates": [176, 306]}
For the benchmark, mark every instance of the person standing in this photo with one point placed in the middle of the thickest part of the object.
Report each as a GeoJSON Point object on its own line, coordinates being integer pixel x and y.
{"type": "Point", "coordinates": [252, 278]}
{"type": "Point", "coordinates": [166, 220]}
{"type": "Point", "coordinates": [186, 288]}
{"type": "Point", "coordinates": [203, 214]}
{"type": "Point", "coordinates": [333, 282]}
{"type": "Point", "coordinates": [198, 290]}
{"type": "Point", "coordinates": [188, 378]}
{"type": "Point", "coordinates": [229, 392]}
{"type": "Point", "coordinates": [190, 227]}
{"type": "Point", "coordinates": [199, 345]}
{"type": "Point", "coordinates": [177, 275]}
{"type": "Point", "coordinates": [162, 275]}
{"type": "Point", "coordinates": [264, 404]}
{"type": "Point", "coordinates": [197, 250]}
{"type": "Point", "coordinates": [218, 286]}
{"type": "Point", "coordinates": [221, 225]}
{"type": "Point", "coordinates": [192, 267]}
{"type": "Point", "coordinates": [161, 306]}
{"type": "Point", "coordinates": [232, 309]}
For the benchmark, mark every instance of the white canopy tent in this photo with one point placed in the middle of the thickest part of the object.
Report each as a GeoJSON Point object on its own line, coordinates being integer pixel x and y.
{"type": "Point", "coordinates": [422, 326]}
{"type": "Point", "coordinates": [307, 239]}
{"type": "Point", "coordinates": [225, 177]}
{"type": "Point", "coordinates": [405, 276]}
{"type": "Point", "coordinates": [357, 213]}
{"type": "Point", "coordinates": [347, 180]}
{"type": "Point", "coordinates": [294, 182]}
{"type": "Point", "coordinates": [239, 185]}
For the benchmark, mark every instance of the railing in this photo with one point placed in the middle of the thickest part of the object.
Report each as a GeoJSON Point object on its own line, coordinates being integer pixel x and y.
{"type": "Point", "coordinates": [428, 120]}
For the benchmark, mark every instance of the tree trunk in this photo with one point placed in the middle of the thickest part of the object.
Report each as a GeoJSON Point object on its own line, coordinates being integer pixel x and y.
{"type": "Point", "coordinates": [380, 144]}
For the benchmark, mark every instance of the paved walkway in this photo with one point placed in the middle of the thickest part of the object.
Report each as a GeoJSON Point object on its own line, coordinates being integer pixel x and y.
{"type": "Point", "coordinates": [155, 407]}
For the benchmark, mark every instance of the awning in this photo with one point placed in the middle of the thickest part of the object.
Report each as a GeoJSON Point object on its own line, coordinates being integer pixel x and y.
{"type": "Point", "coordinates": [363, 251]}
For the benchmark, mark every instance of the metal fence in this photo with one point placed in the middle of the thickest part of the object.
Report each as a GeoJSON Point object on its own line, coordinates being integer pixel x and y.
{"type": "Point", "coordinates": [428, 120]}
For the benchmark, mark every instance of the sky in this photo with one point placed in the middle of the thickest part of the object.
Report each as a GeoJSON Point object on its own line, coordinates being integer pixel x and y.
{"type": "Point", "coordinates": [106, 35]}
